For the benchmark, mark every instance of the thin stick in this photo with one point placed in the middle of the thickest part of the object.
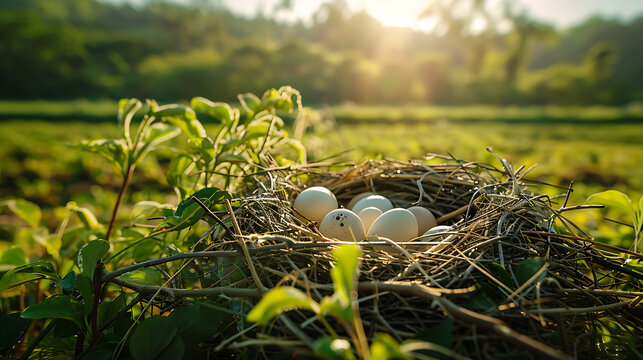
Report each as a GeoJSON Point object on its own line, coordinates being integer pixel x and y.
{"type": "Point", "coordinates": [243, 246]}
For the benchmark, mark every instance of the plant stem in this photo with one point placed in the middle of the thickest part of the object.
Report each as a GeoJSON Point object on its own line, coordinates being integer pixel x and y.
{"type": "Point", "coordinates": [119, 199]}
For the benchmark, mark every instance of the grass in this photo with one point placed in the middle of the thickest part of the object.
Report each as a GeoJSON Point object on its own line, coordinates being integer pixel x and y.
{"type": "Point", "coordinates": [598, 149]}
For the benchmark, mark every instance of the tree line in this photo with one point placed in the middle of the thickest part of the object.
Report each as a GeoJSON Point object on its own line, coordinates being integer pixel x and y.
{"type": "Point", "coordinates": [86, 48]}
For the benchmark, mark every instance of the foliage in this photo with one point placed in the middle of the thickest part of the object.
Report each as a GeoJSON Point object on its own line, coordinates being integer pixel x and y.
{"type": "Point", "coordinates": [80, 306]}
{"type": "Point", "coordinates": [96, 49]}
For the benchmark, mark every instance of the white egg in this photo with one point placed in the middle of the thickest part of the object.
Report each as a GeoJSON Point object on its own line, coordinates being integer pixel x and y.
{"type": "Point", "coordinates": [424, 217]}
{"type": "Point", "coordinates": [437, 229]}
{"type": "Point", "coordinates": [396, 224]}
{"type": "Point", "coordinates": [344, 225]}
{"type": "Point", "coordinates": [377, 201]}
{"type": "Point", "coordinates": [315, 202]}
{"type": "Point", "coordinates": [358, 198]}
{"type": "Point", "coordinates": [368, 216]}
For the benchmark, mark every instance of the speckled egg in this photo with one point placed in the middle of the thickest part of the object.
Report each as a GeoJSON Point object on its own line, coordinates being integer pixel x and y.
{"type": "Point", "coordinates": [377, 201]}
{"type": "Point", "coordinates": [424, 217]}
{"type": "Point", "coordinates": [315, 202]}
{"type": "Point", "coordinates": [368, 216]}
{"type": "Point", "coordinates": [396, 224]}
{"type": "Point", "coordinates": [344, 225]}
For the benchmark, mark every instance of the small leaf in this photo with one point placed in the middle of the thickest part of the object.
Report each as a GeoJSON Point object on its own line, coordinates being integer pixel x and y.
{"type": "Point", "coordinates": [58, 306]}
{"type": "Point", "coordinates": [127, 108]}
{"type": "Point", "coordinates": [204, 146]}
{"type": "Point", "coordinates": [151, 336]}
{"type": "Point", "coordinates": [186, 316]}
{"type": "Point", "coordinates": [344, 274]}
{"type": "Point", "coordinates": [183, 117]}
{"type": "Point", "coordinates": [440, 334]}
{"type": "Point", "coordinates": [501, 274]}
{"type": "Point", "coordinates": [250, 102]}
{"type": "Point", "coordinates": [145, 276]}
{"type": "Point", "coordinates": [212, 322]}
{"type": "Point", "coordinates": [175, 350]}
{"type": "Point", "coordinates": [108, 309]}
{"type": "Point", "coordinates": [26, 273]}
{"type": "Point", "coordinates": [333, 349]}
{"type": "Point", "coordinates": [189, 212]}
{"type": "Point", "coordinates": [25, 210]}
{"type": "Point", "coordinates": [12, 328]}
{"type": "Point", "coordinates": [299, 148]}
{"type": "Point", "coordinates": [484, 298]}
{"type": "Point", "coordinates": [14, 256]}
{"type": "Point", "coordinates": [217, 110]}
{"type": "Point", "coordinates": [615, 199]}
{"type": "Point", "coordinates": [384, 347]}
{"type": "Point", "coordinates": [116, 151]}
{"type": "Point", "coordinates": [89, 255]}
{"type": "Point", "coordinates": [528, 268]}
{"type": "Point", "coordinates": [179, 166]}
{"type": "Point", "coordinates": [145, 209]}
{"type": "Point", "coordinates": [85, 287]}
{"type": "Point", "coordinates": [85, 215]}
{"type": "Point", "coordinates": [68, 283]}
{"type": "Point", "coordinates": [278, 300]}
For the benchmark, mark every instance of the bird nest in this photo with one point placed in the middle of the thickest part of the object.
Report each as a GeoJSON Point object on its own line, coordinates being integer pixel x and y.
{"type": "Point", "coordinates": [512, 277]}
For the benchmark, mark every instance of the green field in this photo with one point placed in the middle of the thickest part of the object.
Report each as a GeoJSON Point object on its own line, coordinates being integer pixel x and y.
{"type": "Point", "coordinates": [597, 148]}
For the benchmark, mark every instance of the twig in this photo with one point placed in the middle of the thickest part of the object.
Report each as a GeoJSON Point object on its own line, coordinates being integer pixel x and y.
{"type": "Point", "coordinates": [243, 246]}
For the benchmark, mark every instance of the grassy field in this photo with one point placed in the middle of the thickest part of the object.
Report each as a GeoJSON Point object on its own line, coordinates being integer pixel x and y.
{"type": "Point", "coordinates": [597, 148]}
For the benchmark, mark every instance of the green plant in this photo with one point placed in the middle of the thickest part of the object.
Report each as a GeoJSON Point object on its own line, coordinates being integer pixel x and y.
{"type": "Point", "coordinates": [343, 306]}
{"type": "Point", "coordinates": [80, 306]}
{"type": "Point", "coordinates": [621, 202]}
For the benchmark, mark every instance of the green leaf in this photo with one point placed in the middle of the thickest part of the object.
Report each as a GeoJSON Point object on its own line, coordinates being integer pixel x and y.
{"type": "Point", "coordinates": [440, 334]}
{"type": "Point", "coordinates": [229, 157]}
{"type": "Point", "coordinates": [617, 200]}
{"type": "Point", "coordinates": [183, 117]}
{"type": "Point", "coordinates": [528, 267]}
{"type": "Point", "coordinates": [179, 166]}
{"type": "Point", "coordinates": [175, 350]}
{"type": "Point", "coordinates": [116, 151]}
{"type": "Point", "coordinates": [344, 274]}
{"type": "Point", "coordinates": [25, 210]}
{"type": "Point", "coordinates": [217, 110]}
{"type": "Point", "coordinates": [108, 309]}
{"type": "Point", "coordinates": [145, 276]}
{"type": "Point", "coordinates": [151, 336]}
{"type": "Point", "coordinates": [26, 273]}
{"type": "Point", "coordinates": [278, 300]}
{"type": "Point", "coordinates": [484, 298]}
{"type": "Point", "coordinates": [299, 148]}
{"type": "Point", "coordinates": [249, 102]}
{"type": "Point", "coordinates": [89, 255]}
{"type": "Point", "coordinates": [204, 146]}
{"type": "Point", "coordinates": [56, 307]}
{"type": "Point", "coordinates": [12, 328]}
{"type": "Point", "coordinates": [155, 134]}
{"type": "Point", "coordinates": [85, 215]}
{"type": "Point", "coordinates": [127, 108]}
{"type": "Point", "coordinates": [333, 349]}
{"type": "Point", "coordinates": [502, 274]}
{"type": "Point", "coordinates": [384, 347]}
{"type": "Point", "coordinates": [85, 287]}
{"type": "Point", "coordinates": [68, 283]}
{"type": "Point", "coordinates": [189, 212]}
{"type": "Point", "coordinates": [14, 256]}
{"type": "Point", "coordinates": [186, 316]}
{"type": "Point", "coordinates": [212, 322]}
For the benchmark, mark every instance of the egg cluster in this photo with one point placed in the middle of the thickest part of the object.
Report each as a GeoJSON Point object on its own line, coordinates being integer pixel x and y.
{"type": "Point", "coordinates": [367, 214]}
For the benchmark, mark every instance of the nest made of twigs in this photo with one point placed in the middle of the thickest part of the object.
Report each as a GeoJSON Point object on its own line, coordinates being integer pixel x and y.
{"type": "Point", "coordinates": [467, 274]}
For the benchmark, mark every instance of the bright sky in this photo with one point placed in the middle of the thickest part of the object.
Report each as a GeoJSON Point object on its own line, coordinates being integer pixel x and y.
{"type": "Point", "coordinates": [561, 13]}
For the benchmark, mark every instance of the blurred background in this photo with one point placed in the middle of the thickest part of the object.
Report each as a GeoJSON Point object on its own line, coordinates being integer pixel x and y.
{"type": "Point", "coordinates": [554, 83]}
